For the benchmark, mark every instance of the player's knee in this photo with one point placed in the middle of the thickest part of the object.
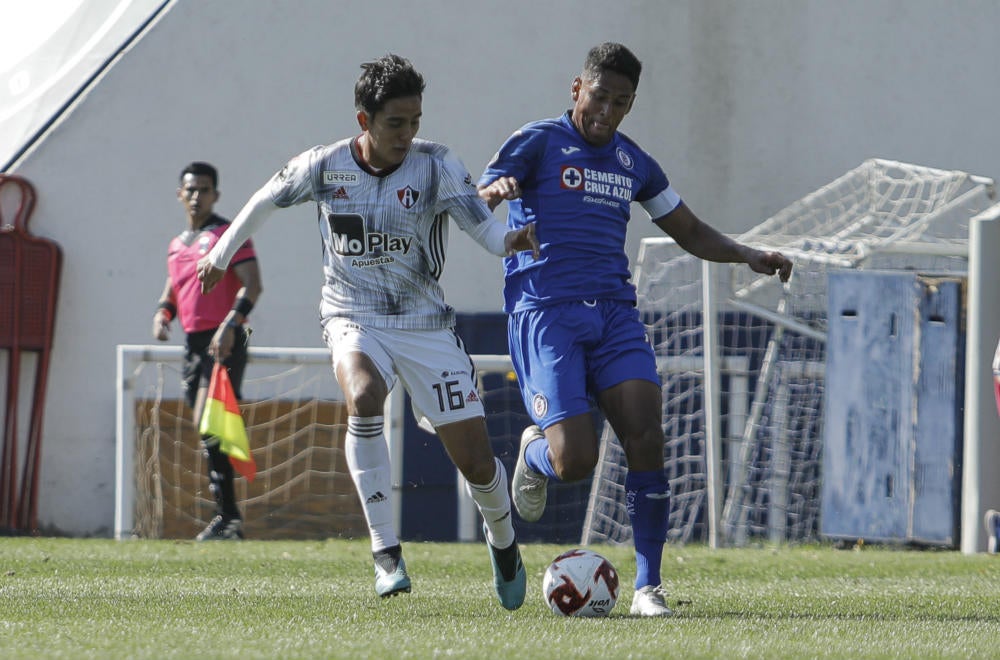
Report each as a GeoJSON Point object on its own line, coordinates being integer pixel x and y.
{"type": "Point", "coordinates": [365, 402]}
{"type": "Point", "coordinates": [645, 450]}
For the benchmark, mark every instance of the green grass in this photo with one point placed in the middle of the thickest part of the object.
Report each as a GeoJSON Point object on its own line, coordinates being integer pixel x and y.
{"type": "Point", "coordinates": [76, 598]}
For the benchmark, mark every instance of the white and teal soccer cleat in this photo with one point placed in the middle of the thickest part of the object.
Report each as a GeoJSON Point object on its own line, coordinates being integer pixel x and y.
{"type": "Point", "coordinates": [527, 487]}
{"type": "Point", "coordinates": [509, 577]}
{"type": "Point", "coordinates": [650, 601]}
{"type": "Point", "coordinates": [391, 577]}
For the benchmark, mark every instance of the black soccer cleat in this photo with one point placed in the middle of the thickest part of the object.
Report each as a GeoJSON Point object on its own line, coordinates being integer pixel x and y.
{"type": "Point", "coordinates": [222, 528]}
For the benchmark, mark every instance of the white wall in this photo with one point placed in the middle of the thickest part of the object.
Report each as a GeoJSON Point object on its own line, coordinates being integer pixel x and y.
{"type": "Point", "coordinates": [748, 105]}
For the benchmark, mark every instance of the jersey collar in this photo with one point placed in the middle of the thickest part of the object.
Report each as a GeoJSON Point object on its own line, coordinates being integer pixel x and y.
{"type": "Point", "coordinates": [363, 164]}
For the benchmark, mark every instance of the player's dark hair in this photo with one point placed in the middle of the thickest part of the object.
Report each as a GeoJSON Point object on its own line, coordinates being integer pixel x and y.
{"type": "Point", "coordinates": [389, 77]}
{"type": "Point", "coordinates": [611, 56]}
{"type": "Point", "coordinates": [201, 168]}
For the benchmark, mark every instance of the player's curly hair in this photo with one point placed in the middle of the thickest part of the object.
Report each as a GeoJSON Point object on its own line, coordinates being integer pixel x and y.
{"type": "Point", "coordinates": [611, 56]}
{"type": "Point", "coordinates": [389, 77]}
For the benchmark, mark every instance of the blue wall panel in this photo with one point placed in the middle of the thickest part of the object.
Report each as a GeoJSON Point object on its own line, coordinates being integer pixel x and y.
{"type": "Point", "coordinates": [892, 408]}
{"type": "Point", "coordinates": [940, 394]}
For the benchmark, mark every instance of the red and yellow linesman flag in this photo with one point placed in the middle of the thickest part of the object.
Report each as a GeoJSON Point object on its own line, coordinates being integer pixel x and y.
{"type": "Point", "coordinates": [222, 419]}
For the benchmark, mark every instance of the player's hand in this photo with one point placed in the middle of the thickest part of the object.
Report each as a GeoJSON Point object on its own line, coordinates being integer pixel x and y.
{"type": "Point", "coordinates": [161, 326]}
{"type": "Point", "coordinates": [208, 274]}
{"type": "Point", "coordinates": [504, 188]}
{"type": "Point", "coordinates": [523, 239]}
{"type": "Point", "coordinates": [222, 342]}
{"type": "Point", "coordinates": [769, 263]}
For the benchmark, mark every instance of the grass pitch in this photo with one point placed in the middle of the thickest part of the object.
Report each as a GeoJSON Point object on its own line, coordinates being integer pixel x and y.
{"type": "Point", "coordinates": [74, 598]}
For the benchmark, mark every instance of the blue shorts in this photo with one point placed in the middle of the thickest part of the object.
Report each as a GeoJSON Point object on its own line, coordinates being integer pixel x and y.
{"type": "Point", "coordinates": [565, 354]}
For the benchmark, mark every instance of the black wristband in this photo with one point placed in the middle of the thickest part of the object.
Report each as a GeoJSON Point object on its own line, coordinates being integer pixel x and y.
{"type": "Point", "coordinates": [243, 305]}
{"type": "Point", "coordinates": [169, 307]}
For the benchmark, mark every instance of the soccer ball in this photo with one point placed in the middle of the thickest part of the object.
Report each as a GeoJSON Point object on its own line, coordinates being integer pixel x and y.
{"type": "Point", "coordinates": [580, 583]}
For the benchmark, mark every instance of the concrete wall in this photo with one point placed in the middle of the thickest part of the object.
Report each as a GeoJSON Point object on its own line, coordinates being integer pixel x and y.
{"type": "Point", "coordinates": [749, 106]}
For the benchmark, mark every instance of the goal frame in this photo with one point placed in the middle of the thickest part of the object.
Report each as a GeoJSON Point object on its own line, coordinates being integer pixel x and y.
{"type": "Point", "coordinates": [129, 356]}
{"type": "Point", "coordinates": [719, 287]}
{"type": "Point", "coordinates": [713, 299]}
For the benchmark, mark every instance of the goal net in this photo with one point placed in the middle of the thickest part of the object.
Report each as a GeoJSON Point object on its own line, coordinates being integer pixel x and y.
{"type": "Point", "coordinates": [296, 422]}
{"type": "Point", "coordinates": [742, 357]}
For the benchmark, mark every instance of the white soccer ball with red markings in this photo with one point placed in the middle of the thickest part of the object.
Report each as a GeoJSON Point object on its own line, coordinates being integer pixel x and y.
{"type": "Point", "coordinates": [580, 583]}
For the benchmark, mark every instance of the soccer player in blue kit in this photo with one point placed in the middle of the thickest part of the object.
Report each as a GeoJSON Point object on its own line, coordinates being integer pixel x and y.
{"type": "Point", "coordinates": [574, 333]}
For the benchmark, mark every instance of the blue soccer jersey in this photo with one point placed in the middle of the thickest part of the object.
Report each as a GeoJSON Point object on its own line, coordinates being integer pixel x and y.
{"type": "Point", "coordinates": [580, 198]}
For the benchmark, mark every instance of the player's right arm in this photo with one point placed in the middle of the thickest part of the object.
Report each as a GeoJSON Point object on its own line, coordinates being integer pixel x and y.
{"type": "Point", "coordinates": [165, 312]}
{"type": "Point", "coordinates": [213, 265]}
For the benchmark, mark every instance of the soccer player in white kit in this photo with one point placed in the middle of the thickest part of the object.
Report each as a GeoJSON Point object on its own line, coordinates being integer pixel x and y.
{"type": "Point", "coordinates": [384, 199]}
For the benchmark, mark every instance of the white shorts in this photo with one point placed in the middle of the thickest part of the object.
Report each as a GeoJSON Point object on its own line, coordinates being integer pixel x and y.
{"type": "Point", "coordinates": [432, 365]}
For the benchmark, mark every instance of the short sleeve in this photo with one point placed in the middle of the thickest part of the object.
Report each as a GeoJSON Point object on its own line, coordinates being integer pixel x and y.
{"type": "Point", "coordinates": [516, 157]}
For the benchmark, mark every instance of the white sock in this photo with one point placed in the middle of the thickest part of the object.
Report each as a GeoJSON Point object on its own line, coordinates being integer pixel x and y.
{"type": "Point", "coordinates": [493, 501]}
{"type": "Point", "coordinates": [368, 460]}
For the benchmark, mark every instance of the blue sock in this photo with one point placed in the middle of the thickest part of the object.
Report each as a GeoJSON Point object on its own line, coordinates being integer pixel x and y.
{"type": "Point", "coordinates": [537, 458]}
{"type": "Point", "coordinates": [647, 499]}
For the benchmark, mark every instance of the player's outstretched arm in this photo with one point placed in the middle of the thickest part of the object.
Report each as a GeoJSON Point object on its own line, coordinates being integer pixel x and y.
{"type": "Point", "coordinates": [706, 242]}
{"type": "Point", "coordinates": [213, 265]}
{"type": "Point", "coordinates": [517, 240]}
{"type": "Point", "coordinates": [494, 237]}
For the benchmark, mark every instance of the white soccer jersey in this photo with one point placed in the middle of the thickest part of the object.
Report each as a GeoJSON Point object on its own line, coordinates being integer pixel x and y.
{"type": "Point", "coordinates": [384, 233]}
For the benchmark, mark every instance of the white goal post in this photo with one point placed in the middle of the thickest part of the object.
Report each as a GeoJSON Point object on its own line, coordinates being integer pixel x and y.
{"type": "Point", "coordinates": [151, 371]}
{"type": "Point", "coordinates": [981, 449]}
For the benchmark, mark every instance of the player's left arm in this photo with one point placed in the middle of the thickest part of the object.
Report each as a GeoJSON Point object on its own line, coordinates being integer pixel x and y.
{"type": "Point", "coordinates": [706, 242]}
{"type": "Point", "coordinates": [492, 234]}
{"type": "Point", "coordinates": [463, 202]}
